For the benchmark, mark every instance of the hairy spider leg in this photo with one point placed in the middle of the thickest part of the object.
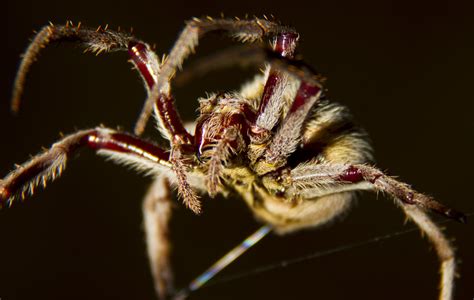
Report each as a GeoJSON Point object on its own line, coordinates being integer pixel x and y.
{"type": "Point", "coordinates": [289, 133]}
{"type": "Point", "coordinates": [47, 166]}
{"type": "Point", "coordinates": [97, 41]}
{"type": "Point", "coordinates": [157, 209]}
{"type": "Point", "coordinates": [171, 125]}
{"type": "Point", "coordinates": [223, 262]}
{"type": "Point", "coordinates": [271, 104]}
{"type": "Point", "coordinates": [311, 180]}
{"type": "Point", "coordinates": [308, 178]}
{"type": "Point", "coordinates": [276, 148]}
{"type": "Point", "coordinates": [244, 30]}
{"type": "Point", "coordinates": [169, 122]}
{"type": "Point", "coordinates": [442, 245]}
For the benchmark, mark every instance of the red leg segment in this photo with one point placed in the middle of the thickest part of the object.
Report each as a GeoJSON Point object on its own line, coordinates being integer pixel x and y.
{"type": "Point", "coordinates": [142, 58]}
{"type": "Point", "coordinates": [49, 164]}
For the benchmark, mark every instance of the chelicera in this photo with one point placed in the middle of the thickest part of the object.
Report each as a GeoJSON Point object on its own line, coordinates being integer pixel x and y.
{"type": "Point", "coordinates": [292, 155]}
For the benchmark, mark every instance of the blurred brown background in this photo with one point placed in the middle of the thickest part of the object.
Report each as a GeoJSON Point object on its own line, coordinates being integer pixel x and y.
{"type": "Point", "coordinates": [405, 70]}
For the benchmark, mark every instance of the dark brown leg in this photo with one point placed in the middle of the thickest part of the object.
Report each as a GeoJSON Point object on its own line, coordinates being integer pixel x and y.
{"type": "Point", "coordinates": [442, 245]}
{"type": "Point", "coordinates": [146, 62]}
{"type": "Point", "coordinates": [147, 65]}
{"type": "Point", "coordinates": [48, 165]}
{"type": "Point", "coordinates": [289, 133]}
{"type": "Point", "coordinates": [170, 123]}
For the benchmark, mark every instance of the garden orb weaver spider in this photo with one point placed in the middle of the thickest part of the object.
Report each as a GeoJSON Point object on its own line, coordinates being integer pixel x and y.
{"type": "Point", "coordinates": [293, 156]}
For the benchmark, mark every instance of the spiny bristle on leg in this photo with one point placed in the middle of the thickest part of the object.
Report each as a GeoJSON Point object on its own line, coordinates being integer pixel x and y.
{"type": "Point", "coordinates": [38, 171]}
{"type": "Point", "coordinates": [190, 198]}
{"type": "Point", "coordinates": [95, 41]}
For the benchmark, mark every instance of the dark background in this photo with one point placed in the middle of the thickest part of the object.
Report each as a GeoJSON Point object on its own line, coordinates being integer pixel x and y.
{"type": "Point", "coordinates": [405, 70]}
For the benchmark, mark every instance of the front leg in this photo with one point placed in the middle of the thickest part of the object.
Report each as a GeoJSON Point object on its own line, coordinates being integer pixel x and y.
{"type": "Point", "coordinates": [48, 165]}
{"type": "Point", "coordinates": [95, 40]}
{"type": "Point", "coordinates": [244, 30]}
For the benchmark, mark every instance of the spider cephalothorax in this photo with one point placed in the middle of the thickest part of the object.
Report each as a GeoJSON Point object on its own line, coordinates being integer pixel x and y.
{"type": "Point", "coordinates": [295, 157]}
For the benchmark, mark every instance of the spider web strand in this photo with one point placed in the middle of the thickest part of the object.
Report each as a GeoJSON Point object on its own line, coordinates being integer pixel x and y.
{"type": "Point", "coordinates": [317, 254]}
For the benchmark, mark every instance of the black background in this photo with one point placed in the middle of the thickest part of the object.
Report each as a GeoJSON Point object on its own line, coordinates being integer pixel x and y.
{"type": "Point", "coordinates": [405, 70]}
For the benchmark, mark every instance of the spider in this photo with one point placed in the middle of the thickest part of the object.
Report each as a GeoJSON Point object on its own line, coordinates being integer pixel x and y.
{"type": "Point", "coordinates": [292, 155]}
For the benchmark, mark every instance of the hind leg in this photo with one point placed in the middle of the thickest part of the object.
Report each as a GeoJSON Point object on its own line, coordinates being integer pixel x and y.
{"type": "Point", "coordinates": [442, 246]}
{"type": "Point", "coordinates": [157, 213]}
